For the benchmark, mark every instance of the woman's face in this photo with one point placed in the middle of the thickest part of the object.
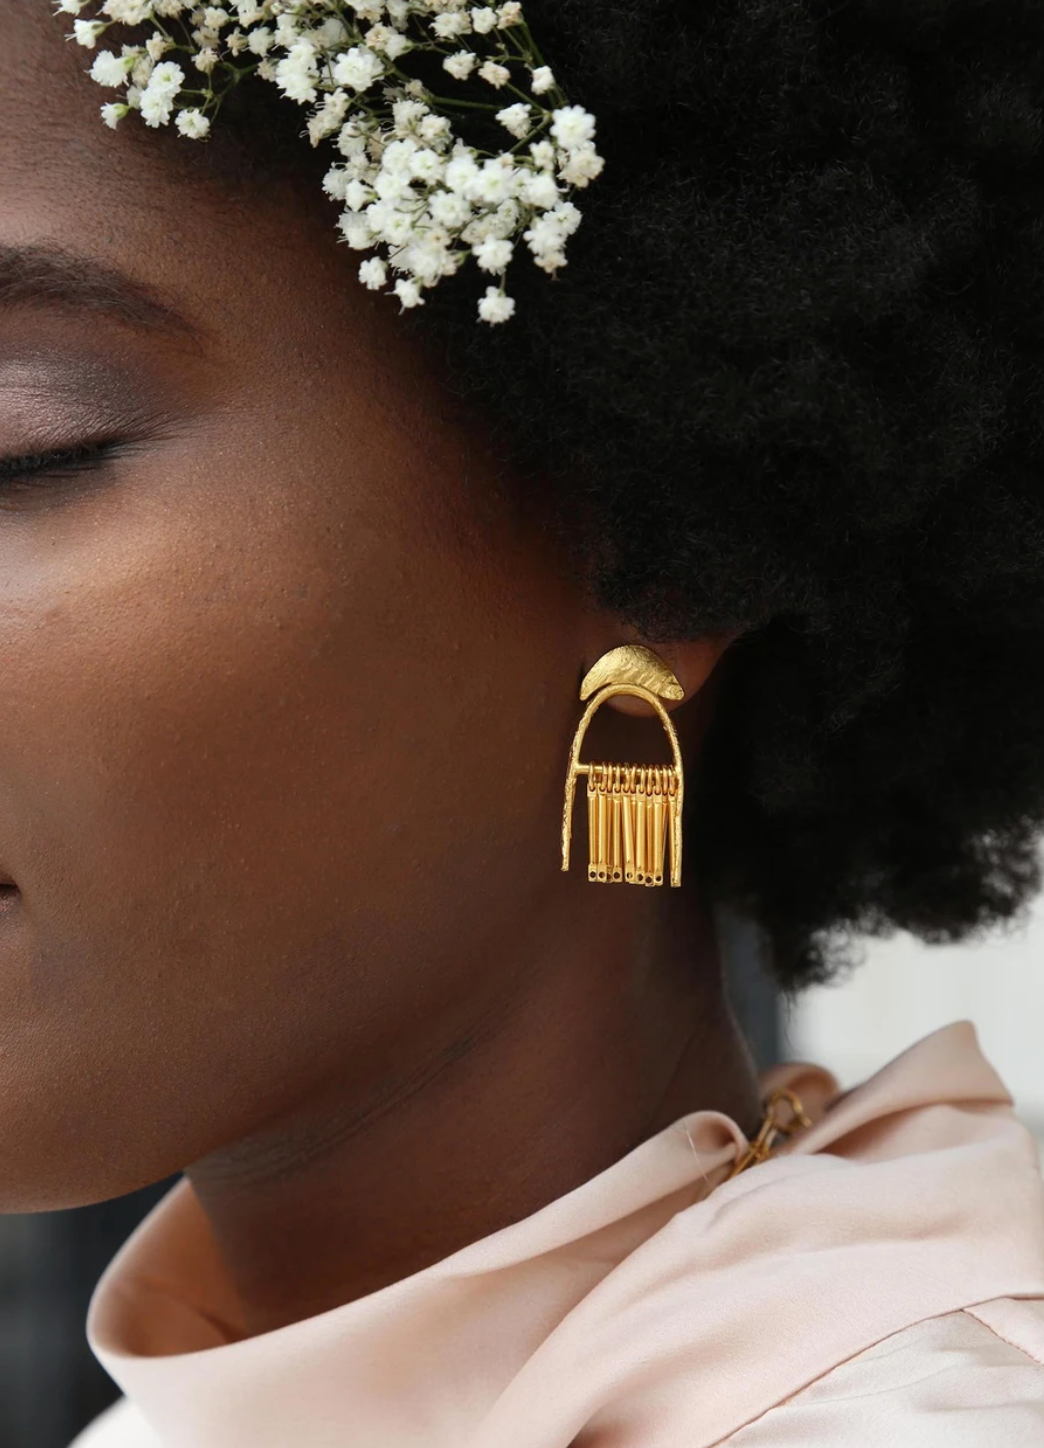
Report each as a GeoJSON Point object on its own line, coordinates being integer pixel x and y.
{"type": "Point", "coordinates": [287, 682]}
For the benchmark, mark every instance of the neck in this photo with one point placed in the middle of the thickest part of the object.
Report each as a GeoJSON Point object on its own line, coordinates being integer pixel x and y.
{"type": "Point", "coordinates": [622, 1028]}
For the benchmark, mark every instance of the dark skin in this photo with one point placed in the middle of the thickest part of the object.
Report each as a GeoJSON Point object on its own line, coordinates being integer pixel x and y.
{"type": "Point", "coordinates": [290, 680]}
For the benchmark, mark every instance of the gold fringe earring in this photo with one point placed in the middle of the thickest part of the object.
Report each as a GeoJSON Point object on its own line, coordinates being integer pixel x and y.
{"type": "Point", "coordinates": [633, 810]}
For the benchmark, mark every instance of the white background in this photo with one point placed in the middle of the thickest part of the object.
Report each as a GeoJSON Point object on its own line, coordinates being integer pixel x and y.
{"type": "Point", "coordinates": [905, 989]}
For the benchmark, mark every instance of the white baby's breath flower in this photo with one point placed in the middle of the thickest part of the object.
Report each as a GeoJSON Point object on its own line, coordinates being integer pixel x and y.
{"type": "Point", "coordinates": [546, 240]}
{"type": "Point", "coordinates": [260, 41]}
{"type": "Point", "coordinates": [434, 129]}
{"type": "Point", "coordinates": [288, 29]}
{"type": "Point", "coordinates": [112, 113]}
{"type": "Point", "coordinates": [407, 115]}
{"type": "Point", "coordinates": [568, 216]}
{"type": "Point", "coordinates": [572, 127]}
{"type": "Point", "coordinates": [408, 292]}
{"type": "Point", "coordinates": [109, 69]}
{"type": "Point", "coordinates": [335, 184]}
{"type": "Point", "coordinates": [493, 254]}
{"type": "Point", "coordinates": [461, 172]}
{"type": "Point", "coordinates": [496, 307]}
{"type": "Point", "coordinates": [397, 156]}
{"type": "Point", "coordinates": [542, 80]}
{"type": "Point", "coordinates": [157, 98]}
{"type": "Point", "coordinates": [157, 45]}
{"type": "Point", "coordinates": [496, 75]}
{"type": "Point", "coordinates": [358, 68]}
{"type": "Point", "coordinates": [386, 41]}
{"type": "Point", "coordinates": [206, 59]}
{"type": "Point", "coordinates": [451, 24]}
{"type": "Point", "coordinates": [460, 64]}
{"type": "Point", "coordinates": [397, 45]}
{"type": "Point", "coordinates": [582, 165]}
{"type": "Point", "coordinates": [167, 78]}
{"type": "Point", "coordinates": [540, 190]}
{"type": "Point", "coordinates": [427, 259]}
{"type": "Point", "coordinates": [450, 209]}
{"type": "Point", "coordinates": [509, 14]}
{"type": "Point", "coordinates": [193, 123]}
{"type": "Point", "coordinates": [86, 32]}
{"type": "Point", "coordinates": [356, 231]}
{"type": "Point", "coordinates": [392, 186]}
{"type": "Point", "coordinates": [298, 71]}
{"type": "Point", "coordinates": [351, 143]}
{"type": "Point", "coordinates": [357, 195]}
{"type": "Point", "coordinates": [497, 179]}
{"type": "Point", "coordinates": [483, 19]}
{"type": "Point", "coordinates": [373, 273]}
{"type": "Point", "coordinates": [427, 165]}
{"type": "Point", "coordinates": [329, 116]}
{"type": "Point", "coordinates": [142, 66]}
{"type": "Point", "coordinates": [397, 227]}
{"type": "Point", "coordinates": [127, 12]}
{"type": "Point", "coordinates": [156, 107]}
{"type": "Point", "coordinates": [517, 119]}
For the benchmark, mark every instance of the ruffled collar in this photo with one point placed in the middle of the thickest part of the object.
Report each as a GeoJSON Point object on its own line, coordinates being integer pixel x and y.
{"type": "Point", "coordinates": [657, 1304]}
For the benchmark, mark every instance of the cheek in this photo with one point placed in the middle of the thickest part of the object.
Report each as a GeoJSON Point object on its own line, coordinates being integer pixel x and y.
{"type": "Point", "coordinates": [263, 736]}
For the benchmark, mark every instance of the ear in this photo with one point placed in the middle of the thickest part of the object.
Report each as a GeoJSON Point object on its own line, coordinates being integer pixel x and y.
{"type": "Point", "coordinates": [691, 661]}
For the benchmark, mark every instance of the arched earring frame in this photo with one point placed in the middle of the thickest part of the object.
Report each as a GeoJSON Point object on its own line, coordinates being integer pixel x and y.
{"type": "Point", "coordinates": [634, 811]}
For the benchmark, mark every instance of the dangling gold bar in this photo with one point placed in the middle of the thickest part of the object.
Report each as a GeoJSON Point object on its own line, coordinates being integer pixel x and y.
{"type": "Point", "coordinates": [640, 832]}
{"type": "Point", "coordinates": [658, 823]}
{"type": "Point", "coordinates": [603, 830]}
{"type": "Point", "coordinates": [650, 840]}
{"type": "Point", "coordinates": [628, 827]}
{"type": "Point", "coordinates": [672, 826]}
{"type": "Point", "coordinates": [592, 823]}
{"type": "Point", "coordinates": [616, 872]}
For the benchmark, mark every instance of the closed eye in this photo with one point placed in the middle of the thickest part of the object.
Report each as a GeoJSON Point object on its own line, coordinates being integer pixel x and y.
{"type": "Point", "coordinates": [36, 470]}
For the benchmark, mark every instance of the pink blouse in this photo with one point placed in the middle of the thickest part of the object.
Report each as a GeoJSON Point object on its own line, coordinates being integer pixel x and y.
{"type": "Point", "coordinates": [879, 1282]}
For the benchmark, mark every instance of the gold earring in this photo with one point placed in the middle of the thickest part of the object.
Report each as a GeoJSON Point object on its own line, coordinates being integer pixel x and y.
{"type": "Point", "coordinates": [633, 810]}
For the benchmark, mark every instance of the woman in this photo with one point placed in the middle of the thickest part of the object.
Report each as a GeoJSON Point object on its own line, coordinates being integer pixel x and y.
{"type": "Point", "coordinates": [299, 588]}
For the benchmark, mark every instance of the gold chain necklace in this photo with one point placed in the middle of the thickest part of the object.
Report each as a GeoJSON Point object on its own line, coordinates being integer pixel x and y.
{"type": "Point", "coordinates": [775, 1125]}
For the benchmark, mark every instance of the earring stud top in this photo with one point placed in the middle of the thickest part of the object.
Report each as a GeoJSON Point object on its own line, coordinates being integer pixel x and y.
{"type": "Point", "coordinates": [632, 664]}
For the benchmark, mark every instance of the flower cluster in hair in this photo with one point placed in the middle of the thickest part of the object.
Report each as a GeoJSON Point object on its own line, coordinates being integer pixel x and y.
{"type": "Point", "coordinates": [412, 188]}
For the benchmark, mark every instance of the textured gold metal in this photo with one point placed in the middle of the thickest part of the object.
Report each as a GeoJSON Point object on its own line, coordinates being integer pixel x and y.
{"type": "Point", "coordinates": [634, 811]}
{"type": "Point", "coordinates": [632, 664]}
{"type": "Point", "coordinates": [772, 1128]}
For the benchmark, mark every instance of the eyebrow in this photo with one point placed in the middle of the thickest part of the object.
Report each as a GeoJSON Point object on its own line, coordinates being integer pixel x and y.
{"type": "Point", "coordinates": [73, 282]}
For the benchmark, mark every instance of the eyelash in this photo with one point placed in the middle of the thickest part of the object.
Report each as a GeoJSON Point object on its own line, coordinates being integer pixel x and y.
{"type": "Point", "coordinates": [35, 470]}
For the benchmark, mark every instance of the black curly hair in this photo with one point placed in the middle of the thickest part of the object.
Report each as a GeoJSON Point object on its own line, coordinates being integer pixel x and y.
{"type": "Point", "coordinates": [790, 385]}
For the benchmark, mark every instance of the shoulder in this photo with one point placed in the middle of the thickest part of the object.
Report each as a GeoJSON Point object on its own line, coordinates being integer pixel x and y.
{"type": "Point", "coordinates": [120, 1426]}
{"type": "Point", "coordinates": [969, 1379]}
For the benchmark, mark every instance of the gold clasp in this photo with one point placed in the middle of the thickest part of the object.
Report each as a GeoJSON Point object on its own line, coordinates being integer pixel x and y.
{"type": "Point", "coordinates": [773, 1126]}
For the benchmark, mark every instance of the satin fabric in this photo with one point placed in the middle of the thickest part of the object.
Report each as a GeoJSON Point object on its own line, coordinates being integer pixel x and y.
{"type": "Point", "coordinates": [658, 1305]}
